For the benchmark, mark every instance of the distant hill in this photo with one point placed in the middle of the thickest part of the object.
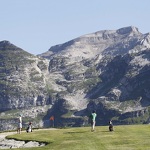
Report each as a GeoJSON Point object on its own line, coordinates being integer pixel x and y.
{"type": "Point", "coordinates": [107, 71]}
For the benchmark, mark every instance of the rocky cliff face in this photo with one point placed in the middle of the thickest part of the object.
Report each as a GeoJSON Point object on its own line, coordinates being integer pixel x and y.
{"type": "Point", "coordinates": [107, 71]}
{"type": "Point", "coordinates": [23, 78]}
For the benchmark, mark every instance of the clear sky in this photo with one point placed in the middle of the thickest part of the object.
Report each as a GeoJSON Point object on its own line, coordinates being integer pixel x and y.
{"type": "Point", "coordinates": [36, 25]}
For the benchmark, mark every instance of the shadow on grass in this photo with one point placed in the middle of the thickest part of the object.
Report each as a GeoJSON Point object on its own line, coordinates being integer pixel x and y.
{"type": "Point", "coordinates": [86, 132]}
{"type": "Point", "coordinates": [106, 131]}
{"type": "Point", "coordinates": [75, 132]}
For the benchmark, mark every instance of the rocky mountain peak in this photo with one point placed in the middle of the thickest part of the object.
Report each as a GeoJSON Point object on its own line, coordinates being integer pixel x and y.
{"type": "Point", "coordinates": [128, 30]}
{"type": "Point", "coordinates": [8, 46]}
{"type": "Point", "coordinates": [4, 42]}
{"type": "Point", "coordinates": [110, 42]}
{"type": "Point", "coordinates": [146, 40]}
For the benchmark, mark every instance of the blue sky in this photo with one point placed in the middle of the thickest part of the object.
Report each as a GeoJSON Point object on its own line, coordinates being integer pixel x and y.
{"type": "Point", "coordinates": [36, 25]}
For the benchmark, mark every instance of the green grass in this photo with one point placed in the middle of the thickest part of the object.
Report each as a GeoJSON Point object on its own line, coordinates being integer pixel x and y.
{"type": "Point", "coordinates": [129, 137]}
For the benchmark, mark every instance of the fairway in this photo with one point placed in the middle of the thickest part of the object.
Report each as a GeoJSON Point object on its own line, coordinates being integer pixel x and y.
{"type": "Point", "coordinates": [125, 137]}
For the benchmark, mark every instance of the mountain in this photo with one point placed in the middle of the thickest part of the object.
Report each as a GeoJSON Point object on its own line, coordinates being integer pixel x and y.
{"type": "Point", "coordinates": [107, 71]}
{"type": "Point", "coordinates": [23, 83]}
{"type": "Point", "coordinates": [22, 77]}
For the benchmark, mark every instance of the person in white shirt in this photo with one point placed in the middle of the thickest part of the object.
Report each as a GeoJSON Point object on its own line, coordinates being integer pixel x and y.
{"type": "Point", "coordinates": [19, 124]}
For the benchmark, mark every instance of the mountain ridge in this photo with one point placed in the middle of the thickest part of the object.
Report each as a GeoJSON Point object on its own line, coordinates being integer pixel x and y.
{"type": "Point", "coordinates": [106, 70]}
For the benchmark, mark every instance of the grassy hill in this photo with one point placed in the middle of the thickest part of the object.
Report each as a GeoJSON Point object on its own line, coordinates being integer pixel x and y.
{"type": "Point", "coordinates": [129, 137]}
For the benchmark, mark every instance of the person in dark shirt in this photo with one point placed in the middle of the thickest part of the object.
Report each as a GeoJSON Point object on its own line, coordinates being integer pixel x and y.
{"type": "Point", "coordinates": [110, 126]}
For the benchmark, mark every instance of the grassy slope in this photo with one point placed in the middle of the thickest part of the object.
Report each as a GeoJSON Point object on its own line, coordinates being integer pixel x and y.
{"type": "Point", "coordinates": [134, 137]}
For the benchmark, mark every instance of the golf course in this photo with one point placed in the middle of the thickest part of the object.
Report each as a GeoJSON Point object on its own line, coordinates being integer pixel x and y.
{"type": "Point", "coordinates": [124, 137]}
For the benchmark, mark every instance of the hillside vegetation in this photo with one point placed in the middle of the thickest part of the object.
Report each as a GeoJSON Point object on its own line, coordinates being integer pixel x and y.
{"type": "Point", "coordinates": [129, 137]}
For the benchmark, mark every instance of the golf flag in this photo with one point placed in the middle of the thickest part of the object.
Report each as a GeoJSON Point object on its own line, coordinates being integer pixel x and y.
{"type": "Point", "coordinates": [52, 118]}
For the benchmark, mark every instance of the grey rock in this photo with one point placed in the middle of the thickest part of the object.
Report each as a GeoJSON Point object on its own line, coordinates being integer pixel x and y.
{"type": "Point", "coordinates": [109, 66]}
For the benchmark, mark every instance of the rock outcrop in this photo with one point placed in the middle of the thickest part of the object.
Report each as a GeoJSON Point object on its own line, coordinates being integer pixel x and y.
{"type": "Point", "coordinates": [107, 71]}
